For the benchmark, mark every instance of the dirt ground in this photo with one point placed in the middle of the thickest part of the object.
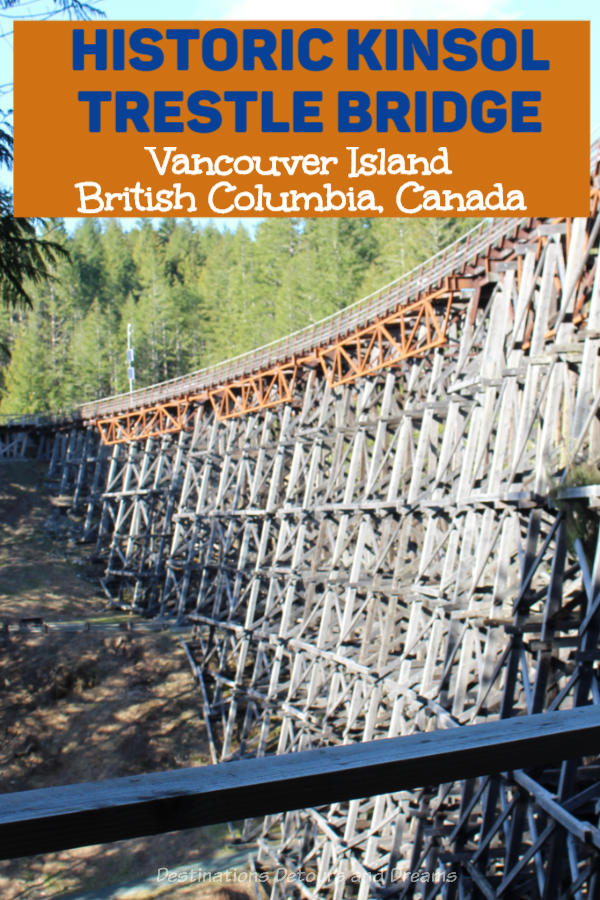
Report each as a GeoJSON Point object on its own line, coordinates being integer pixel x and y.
{"type": "Point", "coordinates": [87, 706]}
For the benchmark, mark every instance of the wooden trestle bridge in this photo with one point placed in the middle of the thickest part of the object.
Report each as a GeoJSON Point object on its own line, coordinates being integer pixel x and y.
{"type": "Point", "coordinates": [385, 524]}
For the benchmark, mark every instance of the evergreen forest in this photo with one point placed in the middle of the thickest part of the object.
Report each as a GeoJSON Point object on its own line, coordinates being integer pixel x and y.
{"type": "Point", "coordinates": [194, 294]}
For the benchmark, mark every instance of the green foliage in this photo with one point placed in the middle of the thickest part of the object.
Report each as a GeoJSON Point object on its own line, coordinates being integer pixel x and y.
{"type": "Point", "coordinates": [194, 295]}
{"type": "Point", "coordinates": [6, 147]}
{"type": "Point", "coordinates": [581, 520]}
{"type": "Point", "coordinates": [26, 255]}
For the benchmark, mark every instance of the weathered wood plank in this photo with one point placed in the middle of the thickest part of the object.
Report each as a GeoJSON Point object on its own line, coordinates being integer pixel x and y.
{"type": "Point", "coordinates": [80, 814]}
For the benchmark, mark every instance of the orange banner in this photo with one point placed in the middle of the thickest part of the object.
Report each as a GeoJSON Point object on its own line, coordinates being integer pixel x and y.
{"type": "Point", "coordinates": [301, 119]}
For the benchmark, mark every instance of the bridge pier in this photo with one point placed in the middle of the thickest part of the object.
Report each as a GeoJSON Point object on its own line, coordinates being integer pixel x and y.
{"type": "Point", "coordinates": [30, 438]}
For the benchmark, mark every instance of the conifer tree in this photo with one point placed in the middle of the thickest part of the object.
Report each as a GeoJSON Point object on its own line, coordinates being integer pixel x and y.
{"type": "Point", "coordinates": [26, 256]}
{"type": "Point", "coordinates": [194, 295]}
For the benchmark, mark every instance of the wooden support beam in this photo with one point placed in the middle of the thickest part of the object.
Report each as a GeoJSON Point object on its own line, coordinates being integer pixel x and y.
{"type": "Point", "coordinates": [80, 814]}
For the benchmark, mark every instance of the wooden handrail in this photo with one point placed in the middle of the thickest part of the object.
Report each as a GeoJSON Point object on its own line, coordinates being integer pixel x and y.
{"type": "Point", "coordinates": [76, 815]}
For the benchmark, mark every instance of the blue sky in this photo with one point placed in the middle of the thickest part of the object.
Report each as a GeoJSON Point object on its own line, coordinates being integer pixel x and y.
{"type": "Point", "coordinates": [327, 9]}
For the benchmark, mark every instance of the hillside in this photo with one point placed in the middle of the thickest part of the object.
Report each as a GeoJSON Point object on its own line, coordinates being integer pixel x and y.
{"type": "Point", "coordinates": [86, 706]}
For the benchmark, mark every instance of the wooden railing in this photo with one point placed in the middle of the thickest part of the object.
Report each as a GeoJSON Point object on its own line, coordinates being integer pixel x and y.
{"type": "Point", "coordinates": [76, 815]}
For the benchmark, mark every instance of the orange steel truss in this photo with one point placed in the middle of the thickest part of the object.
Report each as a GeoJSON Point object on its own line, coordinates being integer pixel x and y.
{"type": "Point", "coordinates": [410, 331]}
{"type": "Point", "coordinates": [261, 390]}
{"type": "Point", "coordinates": [153, 421]}
{"type": "Point", "coordinates": [409, 320]}
{"type": "Point", "coordinates": [413, 329]}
